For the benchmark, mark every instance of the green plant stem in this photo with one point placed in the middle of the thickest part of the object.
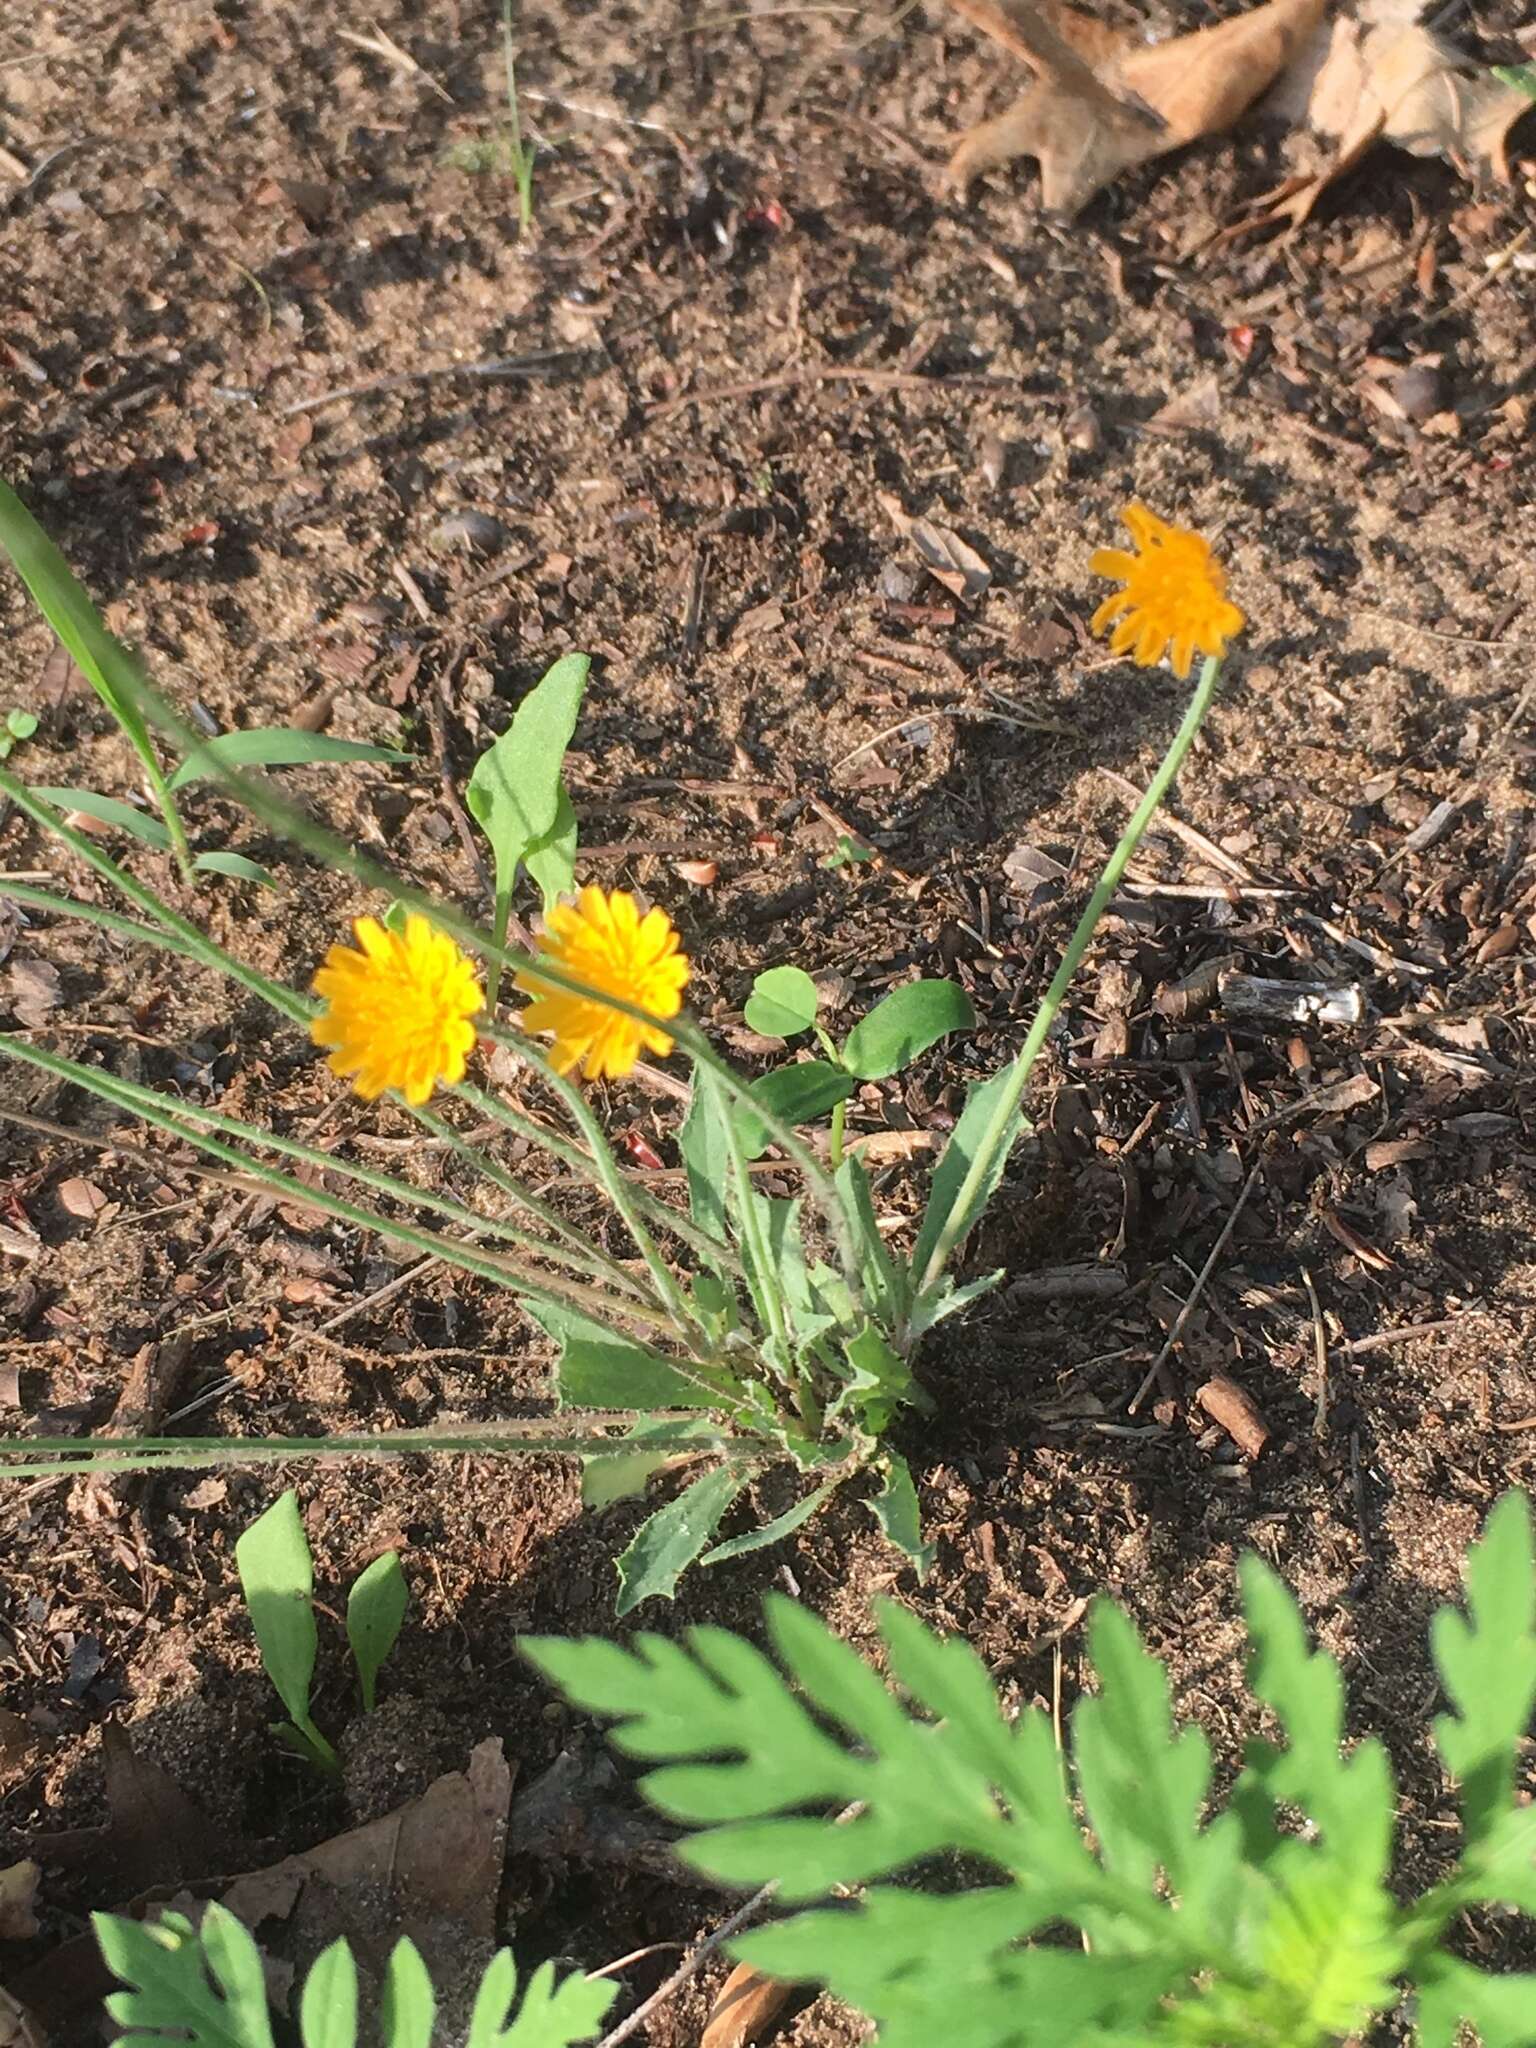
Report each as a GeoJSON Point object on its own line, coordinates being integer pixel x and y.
{"type": "Point", "coordinates": [704, 1242]}
{"type": "Point", "coordinates": [522, 160]}
{"type": "Point", "coordinates": [484, 1265]}
{"type": "Point", "coordinates": [835, 1131]}
{"type": "Point", "coordinates": [160, 790]}
{"type": "Point", "coordinates": [35, 1457]}
{"type": "Point", "coordinates": [749, 1219]}
{"type": "Point", "coordinates": [585, 1260]}
{"type": "Point", "coordinates": [614, 1185]}
{"type": "Point", "coordinates": [1061, 981]}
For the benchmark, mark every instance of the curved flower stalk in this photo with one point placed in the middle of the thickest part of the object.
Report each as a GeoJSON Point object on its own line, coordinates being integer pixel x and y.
{"type": "Point", "coordinates": [750, 1327]}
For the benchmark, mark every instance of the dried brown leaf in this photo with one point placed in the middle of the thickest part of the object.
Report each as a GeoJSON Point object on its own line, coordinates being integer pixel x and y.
{"type": "Point", "coordinates": [944, 554]}
{"type": "Point", "coordinates": [1086, 117]}
{"type": "Point", "coordinates": [18, 1888]}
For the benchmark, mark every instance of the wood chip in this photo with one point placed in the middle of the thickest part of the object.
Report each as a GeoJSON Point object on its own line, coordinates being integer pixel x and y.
{"type": "Point", "coordinates": [745, 2010]}
{"type": "Point", "coordinates": [1235, 1411]}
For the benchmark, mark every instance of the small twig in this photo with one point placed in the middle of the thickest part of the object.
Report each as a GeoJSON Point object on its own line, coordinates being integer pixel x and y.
{"type": "Point", "coordinates": [495, 366]}
{"type": "Point", "coordinates": [1195, 840]}
{"type": "Point", "coordinates": [1383, 1340]}
{"type": "Point", "coordinates": [1198, 1289]}
{"type": "Point", "coordinates": [1320, 1353]}
{"type": "Point", "coordinates": [689, 1968]}
{"type": "Point", "coordinates": [831, 373]}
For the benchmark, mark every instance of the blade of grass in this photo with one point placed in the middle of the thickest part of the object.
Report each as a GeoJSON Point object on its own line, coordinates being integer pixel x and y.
{"type": "Point", "coordinates": [104, 662]}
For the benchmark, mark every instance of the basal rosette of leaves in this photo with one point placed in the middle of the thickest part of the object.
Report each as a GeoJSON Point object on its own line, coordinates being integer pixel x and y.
{"type": "Point", "coordinates": [735, 1331]}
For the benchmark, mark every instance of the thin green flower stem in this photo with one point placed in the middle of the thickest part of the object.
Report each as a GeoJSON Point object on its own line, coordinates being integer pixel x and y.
{"type": "Point", "coordinates": [749, 1218]}
{"type": "Point", "coordinates": [585, 1252]}
{"type": "Point", "coordinates": [595, 1266]}
{"type": "Point", "coordinates": [615, 1186]}
{"type": "Point", "coordinates": [1061, 981]}
{"type": "Point", "coordinates": [92, 913]}
{"type": "Point", "coordinates": [484, 1265]}
{"type": "Point", "coordinates": [704, 1242]}
{"type": "Point", "coordinates": [194, 942]}
{"type": "Point", "coordinates": [57, 1457]}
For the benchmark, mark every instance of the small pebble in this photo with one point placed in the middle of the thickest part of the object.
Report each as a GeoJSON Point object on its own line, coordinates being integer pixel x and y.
{"type": "Point", "coordinates": [475, 530]}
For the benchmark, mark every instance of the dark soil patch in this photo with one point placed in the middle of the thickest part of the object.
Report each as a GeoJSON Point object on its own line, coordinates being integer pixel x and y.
{"type": "Point", "coordinates": [235, 213]}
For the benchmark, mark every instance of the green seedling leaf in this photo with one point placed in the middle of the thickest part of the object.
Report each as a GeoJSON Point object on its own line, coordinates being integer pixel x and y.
{"type": "Point", "coordinates": [328, 2002]}
{"type": "Point", "coordinates": [514, 792]}
{"type": "Point", "coordinates": [797, 1095]}
{"type": "Point", "coordinates": [375, 1609]}
{"type": "Point", "coordinates": [274, 746]}
{"type": "Point", "coordinates": [598, 1368]}
{"type": "Point", "coordinates": [277, 1576]}
{"type": "Point", "coordinates": [884, 1282]}
{"type": "Point", "coordinates": [771, 1532]}
{"type": "Point", "coordinates": [783, 1003]}
{"type": "Point", "coordinates": [237, 866]}
{"type": "Point", "coordinates": [1521, 76]}
{"type": "Point", "coordinates": [407, 2003]}
{"type": "Point", "coordinates": [847, 853]}
{"type": "Point", "coordinates": [905, 1024]}
{"type": "Point", "coordinates": [895, 1508]}
{"type": "Point", "coordinates": [196, 1989]}
{"type": "Point", "coordinates": [109, 810]}
{"type": "Point", "coordinates": [663, 1547]}
{"type": "Point", "coordinates": [552, 2015]}
{"type": "Point", "coordinates": [20, 725]}
{"type": "Point", "coordinates": [954, 1168]}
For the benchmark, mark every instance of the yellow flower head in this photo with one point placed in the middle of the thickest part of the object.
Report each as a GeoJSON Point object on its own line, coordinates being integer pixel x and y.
{"type": "Point", "coordinates": [397, 1013]}
{"type": "Point", "coordinates": [602, 940]}
{"type": "Point", "coordinates": [1175, 595]}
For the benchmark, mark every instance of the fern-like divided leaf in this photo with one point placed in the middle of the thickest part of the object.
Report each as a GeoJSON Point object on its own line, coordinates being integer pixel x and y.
{"type": "Point", "coordinates": [204, 1988]}
{"type": "Point", "coordinates": [1271, 1925]}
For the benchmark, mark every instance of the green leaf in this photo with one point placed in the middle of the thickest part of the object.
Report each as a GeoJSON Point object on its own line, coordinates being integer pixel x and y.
{"type": "Point", "coordinates": [1487, 1661]}
{"type": "Point", "coordinates": [664, 1545]}
{"type": "Point", "coordinates": [895, 1508]}
{"type": "Point", "coordinates": [375, 1610]}
{"type": "Point", "coordinates": [552, 2015]}
{"type": "Point", "coordinates": [955, 1164]}
{"type": "Point", "coordinates": [551, 859]}
{"type": "Point", "coordinates": [885, 1283]}
{"type": "Point", "coordinates": [795, 1094]}
{"type": "Point", "coordinates": [112, 672]}
{"type": "Point", "coordinates": [598, 1368]}
{"type": "Point", "coordinates": [108, 810]}
{"type": "Point", "coordinates": [328, 2002]}
{"type": "Point", "coordinates": [238, 866]}
{"type": "Point", "coordinates": [407, 2004]}
{"type": "Point", "coordinates": [905, 1024]}
{"type": "Point", "coordinates": [771, 1532]}
{"type": "Point", "coordinates": [20, 725]}
{"type": "Point", "coordinates": [1521, 76]}
{"type": "Point", "coordinates": [1143, 1788]}
{"type": "Point", "coordinates": [620, 1475]}
{"type": "Point", "coordinates": [706, 1156]}
{"type": "Point", "coordinates": [783, 1003]}
{"type": "Point", "coordinates": [199, 1991]}
{"type": "Point", "coordinates": [274, 746]}
{"type": "Point", "coordinates": [1450, 1992]}
{"type": "Point", "coordinates": [514, 792]}
{"type": "Point", "coordinates": [277, 1576]}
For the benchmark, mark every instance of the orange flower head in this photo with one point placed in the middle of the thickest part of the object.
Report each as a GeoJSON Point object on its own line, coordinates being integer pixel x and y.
{"type": "Point", "coordinates": [397, 1009]}
{"type": "Point", "coordinates": [603, 940]}
{"type": "Point", "coordinates": [1175, 597]}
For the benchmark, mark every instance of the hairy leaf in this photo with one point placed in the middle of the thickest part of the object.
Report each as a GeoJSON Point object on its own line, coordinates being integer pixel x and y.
{"type": "Point", "coordinates": [664, 1546]}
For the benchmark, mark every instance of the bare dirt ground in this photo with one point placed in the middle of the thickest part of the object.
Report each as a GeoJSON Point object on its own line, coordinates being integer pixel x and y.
{"type": "Point", "coordinates": [270, 343]}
